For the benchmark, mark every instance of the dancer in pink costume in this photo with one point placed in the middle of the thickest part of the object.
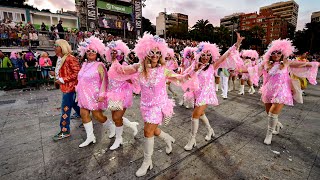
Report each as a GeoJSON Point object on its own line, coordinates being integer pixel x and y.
{"type": "Point", "coordinates": [250, 59]}
{"type": "Point", "coordinates": [120, 95]}
{"type": "Point", "coordinates": [92, 88]}
{"type": "Point", "coordinates": [277, 85]}
{"type": "Point", "coordinates": [155, 105]}
{"type": "Point", "coordinates": [209, 60]}
{"type": "Point", "coordinates": [172, 65]}
{"type": "Point", "coordinates": [187, 66]}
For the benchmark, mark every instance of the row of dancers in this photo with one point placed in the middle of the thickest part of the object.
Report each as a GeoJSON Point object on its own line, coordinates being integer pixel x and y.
{"type": "Point", "coordinates": [98, 89]}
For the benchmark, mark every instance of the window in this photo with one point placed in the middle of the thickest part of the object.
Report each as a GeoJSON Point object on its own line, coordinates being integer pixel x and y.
{"type": "Point", "coordinates": [17, 17]}
{"type": "Point", "coordinates": [7, 15]}
{"type": "Point", "coordinates": [23, 18]}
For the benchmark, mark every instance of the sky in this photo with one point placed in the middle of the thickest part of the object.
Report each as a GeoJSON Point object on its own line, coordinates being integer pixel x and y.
{"type": "Point", "coordinates": [212, 10]}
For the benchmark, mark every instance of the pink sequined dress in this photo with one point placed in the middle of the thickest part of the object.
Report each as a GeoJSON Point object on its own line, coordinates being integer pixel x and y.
{"type": "Point", "coordinates": [155, 104]}
{"type": "Point", "coordinates": [276, 88]}
{"type": "Point", "coordinates": [246, 76]}
{"type": "Point", "coordinates": [120, 90]}
{"type": "Point", "coordinates": [206, 94]}
{"type": "Point", "coordinates": [91, 86]}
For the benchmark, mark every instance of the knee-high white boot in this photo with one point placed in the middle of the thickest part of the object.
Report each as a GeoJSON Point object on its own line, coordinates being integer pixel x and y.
{"type": "Point", "coordinates": [210, 130]}
{"type": "Point", "coordinates": [111, 127]}
{"type": "Point", "coordinates": [147, 161]}
{"type": "Point", "coordinates": [241, 91]}
{"type": "Point", "coordinates": [194, 130]}
{"type": "Point", "coordinates": [168, 139]}
{"type": "Point", "coordinates": [131, 125]}
{"type": "Point", "coordinates": [90, 136]}
{"type": "Point", "coordinates": [272, 122]}
{"type": "Point", "coordinates": [278, 127]}
{"type": "Point", "coordinates": [119, 140]}
{"type": "Point", "coordinates": [252, 91]}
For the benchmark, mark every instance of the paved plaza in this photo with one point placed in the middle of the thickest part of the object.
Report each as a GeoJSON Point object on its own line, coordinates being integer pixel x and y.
{"type": "Point", "coordinates": [29, 119]}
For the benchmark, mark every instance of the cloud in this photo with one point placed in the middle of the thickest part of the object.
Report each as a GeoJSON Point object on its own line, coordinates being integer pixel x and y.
{"type": "Point", "coordinates": [196, 9]}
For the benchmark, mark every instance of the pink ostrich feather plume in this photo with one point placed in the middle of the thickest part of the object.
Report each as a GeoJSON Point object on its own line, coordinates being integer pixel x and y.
{"type": "Point", "coordinates": [187, 50]}
{"type": "Point", "coordinates": [147, 43]}
{"type": "Point", "coordinates": [116, 45]}
{"type": "Point", "coordinates": [170, 52]}
{"type": "Point", "coordinates": [285, 46]}
{"type": "Point", "coordinates": [92, 43]}
{"type": "Point", "coordinates": [250, 53]}
{"type": "Point", "coordinates": [205, 46]}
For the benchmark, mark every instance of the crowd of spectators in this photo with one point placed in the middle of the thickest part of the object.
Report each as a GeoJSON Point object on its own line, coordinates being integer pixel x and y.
{"type": "Point", "coordinates": [17, 34]}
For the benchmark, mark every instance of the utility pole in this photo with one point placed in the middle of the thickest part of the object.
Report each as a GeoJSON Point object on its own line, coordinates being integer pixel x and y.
{"type": "Point", "coordinates": [165, 23]}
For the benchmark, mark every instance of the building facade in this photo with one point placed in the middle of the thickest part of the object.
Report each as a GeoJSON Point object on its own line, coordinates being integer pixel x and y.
{"type": "Point", "coordinates": [38, 17]}
{"type": "Point", "coordinates": [164, 21]}
{"type": "Point", "coordinates": [231, 22]}
{"type": "Point", "coordinates": [315, 17]}
{"type": "Point", "coordinates": [274, 26]}
{"type": "Point", "coordinates": [287, 10]}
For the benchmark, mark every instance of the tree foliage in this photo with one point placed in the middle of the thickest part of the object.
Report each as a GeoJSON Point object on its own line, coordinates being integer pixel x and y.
{"type": "Point", "coordinates": [309, 38]}
{"type": "Point", "coordinates": [147, 26]}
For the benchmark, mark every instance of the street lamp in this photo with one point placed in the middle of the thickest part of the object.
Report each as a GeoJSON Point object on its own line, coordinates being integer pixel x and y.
{"type": "Point", "coordinates": [165, 23]}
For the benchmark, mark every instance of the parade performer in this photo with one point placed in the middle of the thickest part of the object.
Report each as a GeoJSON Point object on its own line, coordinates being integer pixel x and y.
{"type": "Point", "coordinates": [187, 66]}
{"type": "Point", "coordinates": [92, 88]}
{"type": "Point", "coordinates": [120, 93]}
{"type": "Point", "coordinates": [66, 73]}
{"type": "Point", "coordinates": [155, 105]}
{"type": "Point", "coordinates": [250, 59]}
{"type": "Point", "coordinates": [172, 65]}
{"type": "Point", "coordinates": [277, 86]}
{"type": "Point", "coordinates": [209, 61]}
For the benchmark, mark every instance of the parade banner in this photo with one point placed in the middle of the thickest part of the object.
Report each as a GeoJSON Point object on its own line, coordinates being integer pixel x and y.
{"type": "Point", "coordinates": [91, 14]}
{"type": "Point", "coordinates": [138, 17]}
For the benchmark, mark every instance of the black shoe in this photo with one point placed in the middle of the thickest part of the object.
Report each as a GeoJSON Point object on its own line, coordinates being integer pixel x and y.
{"type": "Point", "coordinates": [61, 135]}
{"type": "Point", "coordinates": [75, 116]}
{"type": "Point", "coordinates": [81, 125]}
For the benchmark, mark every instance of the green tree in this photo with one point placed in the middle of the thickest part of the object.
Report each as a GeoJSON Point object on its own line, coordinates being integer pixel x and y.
{"type": "Point", "coordinates": [147, 26]}
{"type": "Point", "coordinates": [309, 38]}
{"type": "Point", "coordinates": [257, 35]}
{"type": "Point", "coordinates": [202, 31]}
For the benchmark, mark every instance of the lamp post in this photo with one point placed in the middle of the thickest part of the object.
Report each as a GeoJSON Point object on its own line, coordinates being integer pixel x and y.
{"type": "Point", "coordinates": [165, 23]}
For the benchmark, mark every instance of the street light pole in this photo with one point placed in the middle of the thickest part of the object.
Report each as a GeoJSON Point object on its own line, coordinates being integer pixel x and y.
{"type": "Point", "coordinates": [165, 23]}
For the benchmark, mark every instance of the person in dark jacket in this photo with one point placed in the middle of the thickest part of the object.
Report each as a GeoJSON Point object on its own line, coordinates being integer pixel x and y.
{"type": "Point", "coordinates": [60, 29]}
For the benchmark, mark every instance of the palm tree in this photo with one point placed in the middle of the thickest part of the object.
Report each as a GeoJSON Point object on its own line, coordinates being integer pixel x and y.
{"type": "Point", "coordinates": [203, 29]}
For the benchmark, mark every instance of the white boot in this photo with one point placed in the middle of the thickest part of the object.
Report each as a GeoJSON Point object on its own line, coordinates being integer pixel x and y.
{"type": "Point", "coordinates": [111, 127]}
{"type": "Point", "coordinates": [278, 127]}
{"type": "Point", "coordinates": [131, 125]}
{"type": "Point", "coordinates": [168, 139]}
{"type": "Point", "coordinates": [252, 90]}
{"type": "Point", "coordinates": [181, 103]}
{"type": "Point", "coordinates": [90, 136]}
{"type": "Point", "coordinates": [147, 161]}
{"type": "Point", "coordinates": [241, 91]}
{"type": "Point", "coordinates": [217, 87]}
{"type": "Point", "coordinates": [194, 130]}
{"type": "Point", "coordinates": [210, 130]}
{"type": "Point", "coordinates": [272, 122]}
{"type": "Point", "coordinates": [119, 140]}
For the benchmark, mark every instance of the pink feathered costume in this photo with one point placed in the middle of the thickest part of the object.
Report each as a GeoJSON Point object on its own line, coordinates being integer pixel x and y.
{"type": "Point", "coordinates": [91, 85]}
{"type": "Point", "coordinates": [276, 81]}
{"type": "Point", "coordinates": [119, 90]}
{"type": "Point", "coordinates": [204, 93]}
{"type": "Point", "coordinates": [155, 104]}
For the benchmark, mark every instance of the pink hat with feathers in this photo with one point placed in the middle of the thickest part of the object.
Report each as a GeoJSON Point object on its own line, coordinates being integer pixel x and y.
{"type": "Point", "coordinates": [116, 45]}
{"type": "Point", "coordinates": [285, 46]}
{"type": "Point", "coordinates": [205, 46]}
{"type": "Point", "coordinates": [170, 52]}
{"type": "Point", "coordinates": [147, 43]}
{"type": "Point", "coordinates": [92, 43]}
{"type": "Point", "coordinates": [187, 50]}
{"type": "Point", "coordinates": [250, 53]}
